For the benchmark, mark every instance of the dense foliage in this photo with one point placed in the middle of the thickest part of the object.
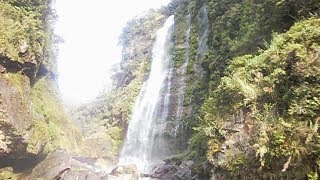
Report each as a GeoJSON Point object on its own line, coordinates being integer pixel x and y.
{"type": "Point", "coordinates": [252, 96]}
{"type": "Point", "coordinates": [33, 122]}
{"type": "Point", "coordinates": [263, 73]}
{"type": "Point", "coordinates": [53, 129]}
{"type": "Point", "coordinates": [26, 33]}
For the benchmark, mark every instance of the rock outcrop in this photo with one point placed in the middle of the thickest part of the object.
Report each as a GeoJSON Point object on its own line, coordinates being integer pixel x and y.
{"type": "Point", "coordinates": [173, 170]}
{"type": "Point", "coordinates": [62, 165]}
{"type": "Point", "coordinates": [33, 122]}
{"type": "Point", "coordinates": [170, 169]}
{"type": "Point", "coordinates": [244, 103]}
{"type": "Point", "coordinates": [126, 172]}
{"type": "Point", "coordinates": [250, 103]}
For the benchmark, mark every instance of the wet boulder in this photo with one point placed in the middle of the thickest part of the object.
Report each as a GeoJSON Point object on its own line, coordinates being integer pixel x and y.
{"type": "Point", "coordinates": [61, 165]}
{"type": "Point", "coordinates": [56, 165]}
{"type": "Point", "coordinates": [173, 170]}
{"type": "Point", "coordinates": [126, 172]}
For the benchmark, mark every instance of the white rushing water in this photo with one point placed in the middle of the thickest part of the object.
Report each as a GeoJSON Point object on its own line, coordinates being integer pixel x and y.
{"type": "Point", "coordinates": [146, 120]}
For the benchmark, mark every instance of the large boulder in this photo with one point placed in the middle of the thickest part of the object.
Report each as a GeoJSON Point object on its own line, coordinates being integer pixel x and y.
{"type": "Point", "coordinates": [173, 170]}
{"type": "Point", "coordinates": [61, 165]}
{"type": "Point", "coordinates": [126, 172]}
{"type": "Point", "coordinates": [56, 165]}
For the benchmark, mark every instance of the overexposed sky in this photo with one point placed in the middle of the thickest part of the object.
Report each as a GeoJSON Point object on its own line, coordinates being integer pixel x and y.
{"type": "Point", "coordinates": [90, 30]}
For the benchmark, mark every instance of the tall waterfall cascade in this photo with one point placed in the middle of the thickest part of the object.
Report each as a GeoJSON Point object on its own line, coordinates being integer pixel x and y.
{"type": "Point", "coordinates": [143, 145]}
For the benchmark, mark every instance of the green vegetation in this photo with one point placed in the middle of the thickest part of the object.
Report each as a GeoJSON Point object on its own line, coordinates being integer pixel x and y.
{"type": "Point", "coordinates": [25, 33]}
{"type": "Point", "coordinates": [26, 36]}
{"type": "Point", "coordinates": [254, 94]}
{"type": "Point", "coordinates": [259, 81]}
{"type": "Point", "coordinates": [105, 137]}
{"type": "Point", "coordinates": [17, 81]}
{"type": "Point", "coordinates": [8, 174]}
{"type": "Point", "coordinates": [51, 129]}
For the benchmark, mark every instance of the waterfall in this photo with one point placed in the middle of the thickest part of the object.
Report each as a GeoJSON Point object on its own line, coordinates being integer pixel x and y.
{"type": "Point", "coordinates": [148, 116]}
{"type": "Point", "coordinates": [182, 71]}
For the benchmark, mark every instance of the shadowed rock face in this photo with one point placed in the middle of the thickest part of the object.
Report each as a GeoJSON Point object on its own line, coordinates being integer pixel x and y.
{"type": "Point", "coordinates": [15, 102]}
{"type": "Point", "coordinates": [13, 150]}
{"type": "Point", "coordinates": [172, 169]}
{"type": "Point", "coordinates": [32, 120]}
{"type": "Point", "coordinates": [27, 68]}
{"type": "Point", "coordinates": [16, 117]}
{"type": "Point", "coordinates": [25, 120]}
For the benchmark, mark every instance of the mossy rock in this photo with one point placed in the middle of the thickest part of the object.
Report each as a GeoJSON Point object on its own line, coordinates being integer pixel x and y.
{"type": "Point", "coordinates": [8, 174]}
{"type": "Point", "coordinates": [53, 129]}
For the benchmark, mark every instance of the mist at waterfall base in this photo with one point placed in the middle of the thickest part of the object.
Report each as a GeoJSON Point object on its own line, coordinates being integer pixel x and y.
{"type": "Point", "coordinates": [90, 30]}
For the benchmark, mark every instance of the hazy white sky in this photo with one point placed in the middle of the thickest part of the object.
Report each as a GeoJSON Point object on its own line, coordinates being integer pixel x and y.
{"type": "Point", "coordinates": [90, 30]}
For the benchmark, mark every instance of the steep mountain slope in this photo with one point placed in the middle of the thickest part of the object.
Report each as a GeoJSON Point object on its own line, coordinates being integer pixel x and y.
{"type": "Point", "coordinates": [244, 93]}
{"type": "Point", "coordinates": [244, 98]}
{"type": "Point", "coordinates": [255, 115]}
{"type": "Point", "coordinates": [32, 120]}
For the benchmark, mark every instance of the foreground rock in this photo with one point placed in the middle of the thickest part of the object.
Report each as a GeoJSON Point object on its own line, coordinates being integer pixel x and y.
{"type": "Point", "coordinates": [173, 170]}
{"type": "Point", "coordinates": [128, 172]}
{"type": "Point", "coordinates": [61, 165]}
{"type": "Point", "coordinates": [169, 170]}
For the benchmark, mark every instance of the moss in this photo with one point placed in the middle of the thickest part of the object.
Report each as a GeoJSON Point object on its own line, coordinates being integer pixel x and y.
{"type": "Point", "coordinates": [180, 27]}
{"type": "Point", "coordinates": [17, 81]}
{"type": "Point", "coordinates": [54, 131]}
{"type": "Point", "coordinates": [26, 34]}
{"type": "Point", "coordinates": [236, 162]}
{"type": "Point", "coordinates": [115, 135]}
{"type": "Point", "coordinates": [190, 89]}
{"type": "Point", "coordinates": [178, 56]}
{"type": "Point", "coordinates": [45, 100]}
{"type": "Point", "coordinates": [8, 174]}
{"type": "Point", "coordinates": [20, 27]}
{"type": "Point", "coordinates": [42, 134]}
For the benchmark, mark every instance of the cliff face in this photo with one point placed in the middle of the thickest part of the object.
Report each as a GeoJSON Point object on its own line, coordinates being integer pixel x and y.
{"type": "Point", "coordinates": [245, 86]}
{"type": "Point", "coordinates": [32, 120]}
{"type": "Point", "coordinates": [251, 95]}
{"type": "Point", "coordinates": [244, 97]}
